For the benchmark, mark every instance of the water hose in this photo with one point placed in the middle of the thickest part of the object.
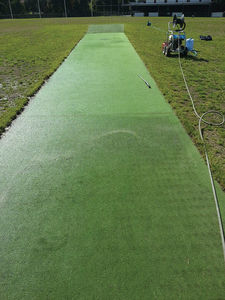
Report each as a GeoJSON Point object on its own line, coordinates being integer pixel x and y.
{"type": "Point", "coordinates": [202, 120]}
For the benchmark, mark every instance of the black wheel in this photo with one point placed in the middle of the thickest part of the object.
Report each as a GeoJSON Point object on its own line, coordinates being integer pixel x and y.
{"type": "Point", "coordinates": [184, 51]}
{"type": "Point", "coordinates": [167, 51]}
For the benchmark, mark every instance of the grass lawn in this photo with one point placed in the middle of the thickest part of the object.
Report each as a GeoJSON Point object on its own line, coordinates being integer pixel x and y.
{"type": "Point", "coordinates": [205, 76]}
{"type": "Point", "coordinates": [32, 49]}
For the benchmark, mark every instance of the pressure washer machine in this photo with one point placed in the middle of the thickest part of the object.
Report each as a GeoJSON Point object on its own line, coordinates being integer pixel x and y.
{"type": "Point", "coordinates": [176, 41]}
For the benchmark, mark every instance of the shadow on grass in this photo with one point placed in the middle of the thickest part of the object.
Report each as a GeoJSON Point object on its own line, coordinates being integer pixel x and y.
{"type": "Point", "coordinates": [190, 57]}
{"type": "Point", "coordinates": [195, 58]}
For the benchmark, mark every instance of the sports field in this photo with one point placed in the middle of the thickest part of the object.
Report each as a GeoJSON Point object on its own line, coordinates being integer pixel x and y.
{"type": "Point", "coordinates": [103, 194]}
{"type": "Point", "coordinates": [32, 49]}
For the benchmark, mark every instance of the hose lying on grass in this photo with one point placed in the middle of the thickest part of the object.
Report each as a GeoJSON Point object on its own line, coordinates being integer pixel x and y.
{"type": "Point", "coordinates": [202, 120]}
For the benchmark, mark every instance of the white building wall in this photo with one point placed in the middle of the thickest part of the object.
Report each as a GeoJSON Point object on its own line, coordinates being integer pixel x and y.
{"type": "Point", "coordinates": [139, 14]}
{"type": "Point", "coordinates": [217, 14]}
{"type": "Point", "coordinates": [153, 14]}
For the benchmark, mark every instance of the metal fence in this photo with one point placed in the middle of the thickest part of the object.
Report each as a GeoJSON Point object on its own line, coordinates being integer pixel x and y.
{"type": "Point", "coordinates": [98, 10]}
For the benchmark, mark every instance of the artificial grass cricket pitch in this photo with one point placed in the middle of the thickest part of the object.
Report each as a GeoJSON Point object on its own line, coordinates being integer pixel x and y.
{"type": "Point", "coordinates": [103, 195]}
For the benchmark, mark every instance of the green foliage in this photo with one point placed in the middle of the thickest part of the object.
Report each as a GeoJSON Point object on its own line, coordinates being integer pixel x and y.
{"type": "Point", "coordinates": [219, 4]}
{"type": "Point", "coordinates": [74, 7]}
{"type": "Point", "coordinates": [18, 7]}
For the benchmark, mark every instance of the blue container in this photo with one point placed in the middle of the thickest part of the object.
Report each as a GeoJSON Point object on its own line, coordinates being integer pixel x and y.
{"type": "Point", "coordinates": [179, 36]}
{"type": "Point", "coordinates": [190, 44]}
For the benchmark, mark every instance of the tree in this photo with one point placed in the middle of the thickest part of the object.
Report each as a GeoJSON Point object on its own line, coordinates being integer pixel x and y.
{"type": "Point", "coordinates": [220, 4]}
{"type": "Point", "coordinates": [17, 7]}
{"type": "Point", "coordinates": [4, 7]}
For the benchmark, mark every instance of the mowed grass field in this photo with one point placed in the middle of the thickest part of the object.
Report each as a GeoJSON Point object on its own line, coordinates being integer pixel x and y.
{"type": "Point", "coordinates": [32, 49]}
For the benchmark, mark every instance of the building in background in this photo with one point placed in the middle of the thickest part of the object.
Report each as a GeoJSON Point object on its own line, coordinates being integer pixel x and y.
{"type": "Point", "coordinates": [198, 8]}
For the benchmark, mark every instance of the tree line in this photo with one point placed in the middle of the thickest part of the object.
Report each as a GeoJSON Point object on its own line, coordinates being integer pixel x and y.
{"type": "Point", "coordinates": [57, 7]}
{"type": "Point", "coordinates": [73, 8]}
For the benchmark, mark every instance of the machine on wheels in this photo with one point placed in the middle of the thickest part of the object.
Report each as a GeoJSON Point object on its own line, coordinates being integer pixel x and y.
{"type": "Point", "coordinates": [176, 38]}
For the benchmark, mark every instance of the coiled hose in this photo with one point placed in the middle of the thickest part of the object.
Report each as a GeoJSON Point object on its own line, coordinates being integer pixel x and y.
{"type": "Point", "coordinates": [200, 121]}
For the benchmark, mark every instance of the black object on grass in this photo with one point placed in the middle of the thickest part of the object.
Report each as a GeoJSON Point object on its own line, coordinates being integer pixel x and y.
{"type": "Point", "coordinates": [206, 37]}
{"type": "Point", "coordinates": [148, 85]}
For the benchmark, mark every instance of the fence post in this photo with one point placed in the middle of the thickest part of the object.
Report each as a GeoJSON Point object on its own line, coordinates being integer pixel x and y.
{"type": "Point", "coordinates": [65, 8]}
{"type": "Point", "coordinates": [10, 8]}
{"type": "Point", "coordinates": [39, 9]}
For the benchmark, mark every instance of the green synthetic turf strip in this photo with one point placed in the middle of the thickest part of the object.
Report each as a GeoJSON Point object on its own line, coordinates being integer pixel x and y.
{"type": "Point", "coordinates": [103, 195]}
{"type": "Point", "coordinates": [106, 28]}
